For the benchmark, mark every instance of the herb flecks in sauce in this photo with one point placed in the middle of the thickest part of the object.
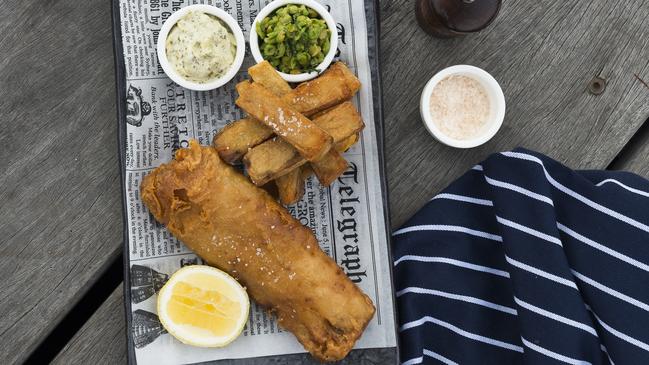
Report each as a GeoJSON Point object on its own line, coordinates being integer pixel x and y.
{"type": "Point", "coordinates": [200, 47]}
{"type": "Point", "coordinates": [294, 39]}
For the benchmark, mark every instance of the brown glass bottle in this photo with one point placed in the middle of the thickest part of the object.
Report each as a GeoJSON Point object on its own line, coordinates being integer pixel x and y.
{"type": "Point", "coordinates": [452, 18]}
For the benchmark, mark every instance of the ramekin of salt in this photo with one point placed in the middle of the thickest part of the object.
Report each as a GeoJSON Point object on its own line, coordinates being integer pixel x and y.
{"type": "Point", "coordinates": [462, 106]}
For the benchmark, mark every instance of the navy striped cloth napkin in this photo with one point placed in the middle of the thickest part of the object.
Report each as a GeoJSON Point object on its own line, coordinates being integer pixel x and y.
{"type": "Point", "coordinates": [524, 261]}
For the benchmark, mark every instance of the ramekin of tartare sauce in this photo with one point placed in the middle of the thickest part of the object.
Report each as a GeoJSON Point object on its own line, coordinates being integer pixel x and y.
{"type": "Point", "coordinates": [462, 106]}
{"type": "Point", "coordinates": [201, 47]}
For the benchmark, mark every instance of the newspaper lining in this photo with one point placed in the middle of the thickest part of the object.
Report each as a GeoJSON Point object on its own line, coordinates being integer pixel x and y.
{"type": "Point", "coordinates": [347, 218]}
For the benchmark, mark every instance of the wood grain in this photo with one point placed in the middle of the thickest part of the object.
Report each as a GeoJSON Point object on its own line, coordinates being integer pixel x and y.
{"type": "Point", "coordinates": [102, 340]}
{"type": "Point", "coordinates": [60, 220]}
{"type": "Point", "coordinates": [635, 156]}
{"type": "Point", "coordinates": [544, 54]}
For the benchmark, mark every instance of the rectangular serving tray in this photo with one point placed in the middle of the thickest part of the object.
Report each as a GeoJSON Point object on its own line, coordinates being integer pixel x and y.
{"type": "Point", "coordinates": [366, 356]}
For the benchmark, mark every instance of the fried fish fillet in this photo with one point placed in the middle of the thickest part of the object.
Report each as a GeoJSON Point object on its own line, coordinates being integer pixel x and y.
{"type": "Point", "coordinates": [306, 137]}
{"type": "Point", "coordinates": [239, 228]}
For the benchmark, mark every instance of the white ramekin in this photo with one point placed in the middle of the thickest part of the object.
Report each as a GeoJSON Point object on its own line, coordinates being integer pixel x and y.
{"type": "Point", "coordinates": [225, 18]}
{"type": "Point", "coordinates": [496, 99]}
{"type": "Point", "coordinates": [254, 39]}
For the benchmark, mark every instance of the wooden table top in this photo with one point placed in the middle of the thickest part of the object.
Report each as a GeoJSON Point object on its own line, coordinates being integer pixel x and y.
{"type": "Point", "coordinates": [61, 218]}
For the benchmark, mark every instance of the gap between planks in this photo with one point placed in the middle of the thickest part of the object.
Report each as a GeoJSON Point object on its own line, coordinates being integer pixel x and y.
{"type": "Point", "coordinates": [79, 314]}
{"type": "Point", "coordinates": [632, 151]}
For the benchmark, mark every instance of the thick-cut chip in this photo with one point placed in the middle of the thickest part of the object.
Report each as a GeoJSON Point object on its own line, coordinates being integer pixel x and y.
{"type": "Point", "coordinates": [266, 75]}
{"type": "Point", "coordinates": [290, 187]}
{"type": "Point", "coordinates": [271, 189]}
{"type": "Point", "coordinates": [276, 158]}
{"type": "Point", "coordinates": [353, 83]}
{"type": "Point", "coordinates": [347, 143]}
{"type": "Point", "coordinates": [329, 167]}
{"type": "Point", "coordinates": [310, 140]}
{"type": "Point", "coordinates": [336, 85]}
{"type": "Point", "coordinates": [233, 141]}
{"type": "Point", "coordinates": [270, 160]}
{"type": "Point", "coordinates": [341, 122]}
{"type": "Point", "coordinates": [307, 171]}
{"type": "Point", "coordinates": [332, 165]}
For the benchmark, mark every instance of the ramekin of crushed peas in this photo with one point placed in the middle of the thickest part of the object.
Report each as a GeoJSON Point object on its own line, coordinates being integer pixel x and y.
{"type": "Point", "coordinates": [297, 37]}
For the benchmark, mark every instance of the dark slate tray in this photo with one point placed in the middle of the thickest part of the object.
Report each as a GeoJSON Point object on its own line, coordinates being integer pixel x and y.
{"type": "Point", "coordinates": [368, 356]}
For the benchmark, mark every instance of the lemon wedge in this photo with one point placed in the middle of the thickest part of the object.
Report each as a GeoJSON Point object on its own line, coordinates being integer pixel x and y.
{"type": "Point", "coordinates": [203, 306]}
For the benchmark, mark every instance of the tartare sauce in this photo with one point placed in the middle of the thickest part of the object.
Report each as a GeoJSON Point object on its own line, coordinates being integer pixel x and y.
{"type": "Point", "coordinates": [200, 48]}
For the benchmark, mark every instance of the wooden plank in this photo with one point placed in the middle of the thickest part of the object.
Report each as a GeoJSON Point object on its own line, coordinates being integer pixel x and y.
{"type": "Point", "coordinates": [635, 156]}
{"type": "Point", "coordinates": [544, 68]}
{"type": "Point", "coordinates": [544, 54]}
{"type": "Point", "coordinates": [101, 340]}
{"type": "Point", "coordinates": [60, 220]}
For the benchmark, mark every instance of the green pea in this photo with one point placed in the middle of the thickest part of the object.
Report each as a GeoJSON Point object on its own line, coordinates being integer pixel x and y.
{"type": "Point", "coordinates": [314, 50]}
{"type": "Point", "coordinates": [285, 19]}
{"type": "Point", "coordinates": [281, 50]}
{"type": "Point", "coordinates": [260, 31]}
{"type": "Point", "coordinates": [303, 58]}
{"type": "Point", "coordinates": [302, 21]}
{"type": "Point", "coordinates": [313, 34]}
{"type": "Point", "coordinates": [269, 49]}
{"type": "Point", "coordinates": [325, 46]}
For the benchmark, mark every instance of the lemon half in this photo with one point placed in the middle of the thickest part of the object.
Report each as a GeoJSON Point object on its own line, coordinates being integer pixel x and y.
{"type": "Point", "coordinates": [203, 306]}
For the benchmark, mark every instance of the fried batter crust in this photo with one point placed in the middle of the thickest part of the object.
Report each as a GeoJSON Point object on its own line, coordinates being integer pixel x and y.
{"type": "Point", "coordinates": [239, 228]}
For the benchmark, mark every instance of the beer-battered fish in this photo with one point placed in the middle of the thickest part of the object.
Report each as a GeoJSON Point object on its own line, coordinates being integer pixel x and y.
{"type": "Point", "coordinates": [239, 228]}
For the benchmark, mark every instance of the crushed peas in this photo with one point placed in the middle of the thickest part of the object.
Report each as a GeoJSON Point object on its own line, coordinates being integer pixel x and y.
{"type": "Point", "coordinates": [294, 39]}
